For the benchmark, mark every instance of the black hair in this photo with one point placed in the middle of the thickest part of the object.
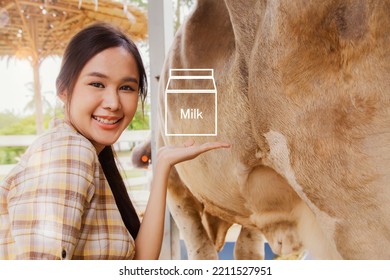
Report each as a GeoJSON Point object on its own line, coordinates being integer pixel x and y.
{"type": "Point", "coordinates": [86, 44]}
{"type": "Point", "coordinates": [118, 188]}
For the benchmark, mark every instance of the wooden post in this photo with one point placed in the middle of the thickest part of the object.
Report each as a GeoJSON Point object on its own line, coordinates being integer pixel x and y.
{"type": "Point", "coordinates": [160, 22]}
{"type": "Point", "coordinates": [32, 38]}
{"type": "Point", "coordinates": [38, 98]}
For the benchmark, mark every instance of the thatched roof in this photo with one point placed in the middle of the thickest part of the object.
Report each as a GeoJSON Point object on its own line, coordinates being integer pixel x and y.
{"type": "Point", "coordinates": [39, 28]}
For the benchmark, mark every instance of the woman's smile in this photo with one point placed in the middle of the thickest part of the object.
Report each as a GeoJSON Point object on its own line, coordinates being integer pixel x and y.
{"type": "Point", "coordinates": [107, 120]}
{"type": "Point", "coordinates": [107, 123]}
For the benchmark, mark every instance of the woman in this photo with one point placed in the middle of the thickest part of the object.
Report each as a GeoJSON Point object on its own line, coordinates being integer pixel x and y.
{"type": "Point", "coordinates": [66, 199]}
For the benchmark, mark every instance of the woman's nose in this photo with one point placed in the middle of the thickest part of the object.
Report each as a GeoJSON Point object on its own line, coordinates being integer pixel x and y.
{"type": "Point", "coordinates": [111, 100]}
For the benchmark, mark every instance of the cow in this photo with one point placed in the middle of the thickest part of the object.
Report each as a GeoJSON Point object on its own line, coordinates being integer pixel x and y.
{"type": "Point", "coordinates": [304, 100]}
{"type": "Point", "coordinates": [250, 241]}
{"type": "Point", "coordinates": [249, 244]}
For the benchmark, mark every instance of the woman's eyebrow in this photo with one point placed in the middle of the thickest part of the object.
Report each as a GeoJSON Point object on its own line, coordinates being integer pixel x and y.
{"type": "Point", "coordinates": [101, 75]}
{"type": "Point", "coordinates": [130, 79]}
{"type": "Point", "coordinates": [97, 74]}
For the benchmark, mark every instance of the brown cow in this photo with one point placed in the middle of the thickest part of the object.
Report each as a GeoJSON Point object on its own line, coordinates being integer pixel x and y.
{"type": "Point", "coordinates": [205, 234]}
{"type": "Point", "coordinates": [250, 241]}
{"type": "Point", "coordinates": [303, 97]}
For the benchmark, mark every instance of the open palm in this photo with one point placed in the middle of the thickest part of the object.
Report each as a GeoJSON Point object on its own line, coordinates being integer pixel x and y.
{"type": "Point", "coordinates": [172, 155]}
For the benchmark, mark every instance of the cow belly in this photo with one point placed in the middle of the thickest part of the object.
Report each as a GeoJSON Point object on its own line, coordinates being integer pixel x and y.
{"type": "Point", "coordinates": [216, 186]}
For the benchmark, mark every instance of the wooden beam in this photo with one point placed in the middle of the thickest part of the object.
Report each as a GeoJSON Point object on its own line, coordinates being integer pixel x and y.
{"type": "Point", "coordinates": [48, 6]}
{"type": "Point", "coordinates": [9, 6]}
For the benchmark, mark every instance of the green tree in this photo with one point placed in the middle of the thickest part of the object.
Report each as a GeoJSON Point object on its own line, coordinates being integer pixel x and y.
{"type": "Point", "coordinates": [182, 8]}
{"type": "Point", "coordinates": [17, 126]}
{"type": "Point", "coordinates": [10, 155]}
{"type": "Point", "coordinates": [141, 119]}
{"type": "Point", "coordinates": [24, 126]}
{"type": "Point", "coordinates": [7, 118]}
{"type": "Point", "coordinates": [139, 3]}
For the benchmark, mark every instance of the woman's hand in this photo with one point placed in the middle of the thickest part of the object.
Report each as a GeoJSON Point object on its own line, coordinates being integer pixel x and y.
{"type": "Point", "coordinates": [171, 155]}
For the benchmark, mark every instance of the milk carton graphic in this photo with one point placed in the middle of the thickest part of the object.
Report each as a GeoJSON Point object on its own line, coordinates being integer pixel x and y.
{"type": "Point", "coordinates": [191, 103]}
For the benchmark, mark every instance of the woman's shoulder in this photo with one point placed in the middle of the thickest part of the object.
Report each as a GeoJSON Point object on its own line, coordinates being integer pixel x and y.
{"type": "Point", "coordinates": [60, 150]}
{"type": "Point", "coordinates": [64, 139]}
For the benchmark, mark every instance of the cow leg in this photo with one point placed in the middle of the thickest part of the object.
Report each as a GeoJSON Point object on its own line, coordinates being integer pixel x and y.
{"type": "Point", "coordinates": [249, 245]}
{"type": "Point", "coordinates": [216, 229]}
{"type": "Point", "coordinates": [187, 211]}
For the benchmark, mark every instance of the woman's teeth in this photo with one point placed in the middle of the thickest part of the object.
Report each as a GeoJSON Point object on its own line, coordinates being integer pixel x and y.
{"type": "Point", "coordinates": [105, 121]}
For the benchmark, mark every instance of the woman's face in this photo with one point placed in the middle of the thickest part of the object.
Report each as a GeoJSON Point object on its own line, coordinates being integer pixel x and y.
{"type": "Point", "coordinates": [105, 97]}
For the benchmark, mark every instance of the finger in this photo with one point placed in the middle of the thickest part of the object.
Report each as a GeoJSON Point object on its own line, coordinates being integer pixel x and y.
{"type": "Point", "coordinates": [214, 145]}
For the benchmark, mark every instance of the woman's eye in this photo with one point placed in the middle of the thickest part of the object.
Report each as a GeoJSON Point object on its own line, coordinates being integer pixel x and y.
{"type": "Point", "coordinates": [127, 88]}
{"type": "Point", "coordinates": [98, 85]}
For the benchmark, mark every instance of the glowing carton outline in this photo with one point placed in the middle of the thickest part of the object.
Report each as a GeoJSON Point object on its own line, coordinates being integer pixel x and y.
{"type": "Point", "coordinates": [214, 91]}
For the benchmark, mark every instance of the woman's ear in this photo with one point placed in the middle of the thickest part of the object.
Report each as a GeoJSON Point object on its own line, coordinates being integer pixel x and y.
{"type": "Point", "coordinates": [63, 96]}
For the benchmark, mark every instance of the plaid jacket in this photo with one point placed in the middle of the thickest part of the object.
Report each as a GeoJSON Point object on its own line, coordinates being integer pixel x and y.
{"type": "Point", "coordinates": [56, 203]}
